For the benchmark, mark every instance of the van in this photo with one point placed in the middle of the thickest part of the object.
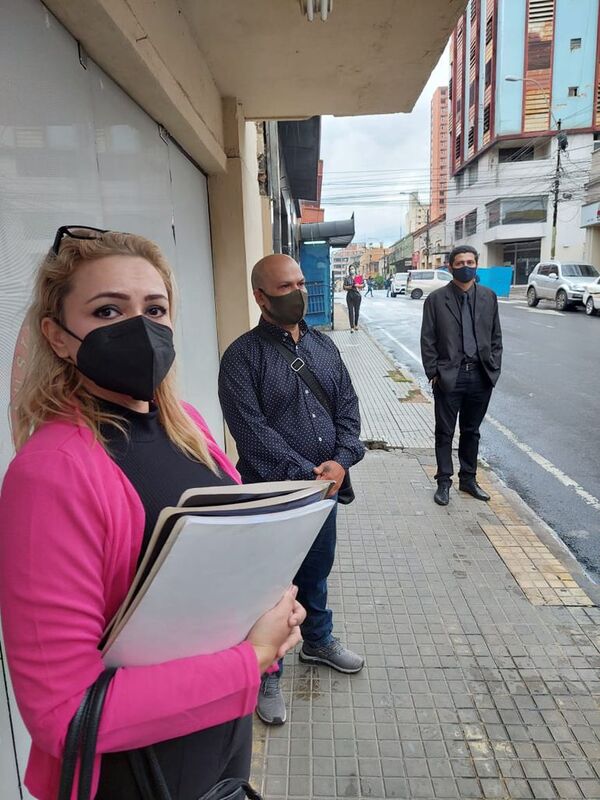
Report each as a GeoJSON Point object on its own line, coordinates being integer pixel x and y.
{"type": "Point", "coordinates": [423, 281]}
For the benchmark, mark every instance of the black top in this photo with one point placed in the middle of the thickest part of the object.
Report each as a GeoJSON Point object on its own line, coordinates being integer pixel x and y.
{"type": "Point", "coordinates": [157, 469]}
{"type": "Point", "coordinates": [160, 473]}
{"type": "Point", "coordinates": [281, 430]}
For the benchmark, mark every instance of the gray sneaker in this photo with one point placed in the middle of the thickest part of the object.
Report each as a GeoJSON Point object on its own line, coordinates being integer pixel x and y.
{"type": "Point", "coordinates": [334, 654]}
{"type": "Point", "coordinates": [271, 705]}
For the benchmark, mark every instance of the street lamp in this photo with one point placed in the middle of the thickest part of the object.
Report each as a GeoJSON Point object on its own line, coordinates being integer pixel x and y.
{"type": "Point", "coordinates": [561, 145]}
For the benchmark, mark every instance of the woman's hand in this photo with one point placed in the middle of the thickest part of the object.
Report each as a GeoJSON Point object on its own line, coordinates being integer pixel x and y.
{"type": "Point", "coordinates": [277, 631]}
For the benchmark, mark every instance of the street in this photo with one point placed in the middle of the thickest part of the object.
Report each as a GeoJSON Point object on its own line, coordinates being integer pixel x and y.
{"type": "Point", "coordinates": [541, 432]}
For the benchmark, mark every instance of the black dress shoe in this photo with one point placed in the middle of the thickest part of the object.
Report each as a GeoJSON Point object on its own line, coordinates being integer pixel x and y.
{"type": "Point", "coordinates": [442, 495]}
{"type": "Point", "coordinates": [474, 489]}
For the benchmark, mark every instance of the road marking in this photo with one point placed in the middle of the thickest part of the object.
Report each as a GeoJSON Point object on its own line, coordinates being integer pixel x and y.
{"type": "Point", "coordinates": [541, 311]}
{"type": "Point", "coordinates": [553, 470]}
{"type": "Point", "coordinates": [414, 356]}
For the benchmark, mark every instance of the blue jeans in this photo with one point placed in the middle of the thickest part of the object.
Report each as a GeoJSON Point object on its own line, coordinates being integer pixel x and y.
{"type": "Point", "coordinates": [311, 580]}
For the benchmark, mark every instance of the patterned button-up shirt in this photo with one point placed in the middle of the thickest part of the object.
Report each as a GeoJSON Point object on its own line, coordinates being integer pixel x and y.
{"type": "Point", "coordinates": [281, 430]}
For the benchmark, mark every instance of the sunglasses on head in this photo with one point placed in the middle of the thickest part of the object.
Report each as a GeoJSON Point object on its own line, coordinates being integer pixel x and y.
{"type": "Point", "coordinates": [75, 232]}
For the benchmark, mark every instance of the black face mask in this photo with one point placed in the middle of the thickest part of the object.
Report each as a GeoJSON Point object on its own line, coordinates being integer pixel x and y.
{"type": "Point", "coordinates": [131, 357]}
{"type": "Point", "coordinates": [287, 309]}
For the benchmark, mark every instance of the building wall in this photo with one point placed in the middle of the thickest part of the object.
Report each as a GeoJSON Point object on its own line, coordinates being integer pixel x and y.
{"type": "Point", "coordinates": [439, 152]}
{"type": "Point", "coordinates": [538, 41]}
{"type": "Point", "coordinates": [416, 215]}
{"type": "Point", "coordinates": [517, 180]}
{"type": "Point", "coordinates": [553, 44]}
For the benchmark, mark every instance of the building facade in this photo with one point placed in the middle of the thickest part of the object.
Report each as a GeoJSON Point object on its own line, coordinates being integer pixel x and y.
{"type": "Point", "coordinates": [430, 248]}
{"type": "Point", "coordinates": [417, 214]}
{"type": "Point", "coordinates": [520, 71]}
{"type": "Point", "coordinates": [439, 152]}
{"type": "Point", "coordinates": [399, 258]}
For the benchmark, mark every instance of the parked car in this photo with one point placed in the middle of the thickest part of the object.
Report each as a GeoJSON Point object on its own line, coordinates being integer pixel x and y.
{"type": "Point", "coordinates": [424, 281]}
{"type": "Point", "coordinates": [591, 298]}
{"type": "Point", "coordinates": [398, 283]}
{"type": "Point", "coordinates": [562, 283]}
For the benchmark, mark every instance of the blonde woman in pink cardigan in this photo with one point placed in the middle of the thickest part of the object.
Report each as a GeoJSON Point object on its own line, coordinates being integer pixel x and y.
{"type": "Point", "coordinates": [103, 443]}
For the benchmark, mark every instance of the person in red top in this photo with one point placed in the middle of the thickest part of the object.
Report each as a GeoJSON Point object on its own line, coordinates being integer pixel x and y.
{"type": "Point", "coordinates": [103, 442]}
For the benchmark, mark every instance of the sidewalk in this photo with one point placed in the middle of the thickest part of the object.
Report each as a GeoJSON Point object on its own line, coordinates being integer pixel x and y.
{"type": "Point", "coordinates": [480, 632]}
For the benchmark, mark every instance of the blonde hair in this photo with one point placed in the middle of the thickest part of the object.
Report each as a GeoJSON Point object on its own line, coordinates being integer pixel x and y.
{"type": "Point", "coordinates": [53, 388]}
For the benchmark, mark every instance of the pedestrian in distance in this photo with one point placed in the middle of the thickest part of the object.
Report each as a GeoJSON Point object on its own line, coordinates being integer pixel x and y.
{"type": "Point", "coordinates": [461, 350]}
{"type": "Point", "coordinates": [370, 285]}
{"type": "Point", "coordinates": [103, 444]}
{"type": "Point", "coordinates": [387, 286]}
{"type": "Point", "coordinates": [353, 299]}
{"type": "Point", "coordinates": [283, 431]}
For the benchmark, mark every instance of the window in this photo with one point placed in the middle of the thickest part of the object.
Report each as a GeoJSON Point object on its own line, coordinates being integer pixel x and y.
{"type": "Point", "coordinates": [450, 89]}
{"type": "Point", "coordinates": [596, 141]}
{"type": "Point", "coordinates": [471, 136]}
{"type": "Point", "coordinates": [516, 210]}
{"type": "Point", "coordinates": [489, 30]}
{"type": "Point", "coordinates": [573, 91]}
{"type": "Point", "coordinates": [579, 271]}
{"type": "Point", "coordinates": [459, 181]}
{"type": "Point", "coordinates": [423, 276]}
{"type": "Point", "coordinates": [458, 229]}
{"type": "Point", "coordinates": [471, 223]}
{"type": "Point", "coordinates": [488, 73]}
{"type": "Point", "coordinates": [486, 118]}
{"type": "Point", "coordinates": [443, 275]}
{"type": "Point", "coordinates": [458, 147]}
{"type": "Point", "coordinates": [473, 173]}
{"type": "Point", "coordinates": [575, 44]}
{"type": "Point", "coordinates": [544, 270]}
{"type": "Point", "coordinates": [472, 93]}
{"type": "Point", "coordinates": [506, 154]}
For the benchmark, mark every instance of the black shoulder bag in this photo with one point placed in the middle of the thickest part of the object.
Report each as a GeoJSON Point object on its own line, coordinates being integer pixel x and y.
{"type": "Point", "coordinates": [297, 365]}
{"type": "Point", "coordinates": [81, 743]}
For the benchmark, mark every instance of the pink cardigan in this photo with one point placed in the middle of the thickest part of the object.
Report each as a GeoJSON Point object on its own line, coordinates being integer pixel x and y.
{"type": "Point", "coordinates": [70, 535]}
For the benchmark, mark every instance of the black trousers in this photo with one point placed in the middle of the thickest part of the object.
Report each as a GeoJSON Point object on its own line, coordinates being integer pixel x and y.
{"type": "Point", "coordinates": [353, 300]}
{"type": "Point", "coordinates": [469, 402]}
{"type": "Point", "coordinates": [191, 764]}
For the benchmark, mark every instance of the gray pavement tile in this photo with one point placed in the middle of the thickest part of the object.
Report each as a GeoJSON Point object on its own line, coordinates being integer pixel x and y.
{"type": "Point", "coordinates": [396, 787]}
{"type": "Point", "coordinates": [468, 787]}
{"type": "Point", "coordinates": [347, 787]}
{"type": "Point", "coordinates": [542, 789]}
{"type": "Point", "coordinates": [493, 788]}
{"type": "Point", "coordinates": [589, 788]}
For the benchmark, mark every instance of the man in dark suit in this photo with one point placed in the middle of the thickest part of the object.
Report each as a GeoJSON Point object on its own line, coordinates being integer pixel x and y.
{"type": "Point", "coordinates": [461, 350]}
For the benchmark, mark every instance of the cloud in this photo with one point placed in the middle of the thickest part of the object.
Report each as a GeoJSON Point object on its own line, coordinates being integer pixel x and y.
{"type": "Point", "coordinates": [378, 157]}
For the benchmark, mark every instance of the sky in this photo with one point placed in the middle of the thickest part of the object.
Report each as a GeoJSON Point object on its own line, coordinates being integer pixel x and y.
{"type": "Point", "coordinates": [374, 158]}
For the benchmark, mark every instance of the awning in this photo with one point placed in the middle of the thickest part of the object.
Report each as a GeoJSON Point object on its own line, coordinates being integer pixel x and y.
{"type": "Point", "coordinates": [337, 233]}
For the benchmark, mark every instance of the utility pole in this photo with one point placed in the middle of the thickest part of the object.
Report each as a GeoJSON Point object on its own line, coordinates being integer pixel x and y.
{"type": "Point", "coordinates": [561, 144]}
{"type": "Point", "coordinates": [427, 241]}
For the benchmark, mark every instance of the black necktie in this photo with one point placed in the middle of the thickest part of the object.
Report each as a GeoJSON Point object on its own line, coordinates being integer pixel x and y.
{"type": "Point", "coordinates": [469, 343]}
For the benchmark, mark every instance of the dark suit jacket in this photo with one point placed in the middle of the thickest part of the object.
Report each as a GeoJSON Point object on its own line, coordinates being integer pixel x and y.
{"type": "Point", "coordinates": [441, 335]}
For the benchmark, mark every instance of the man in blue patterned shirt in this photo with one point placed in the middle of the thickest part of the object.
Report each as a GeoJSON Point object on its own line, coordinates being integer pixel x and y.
{"type": "Point", "coordinates": [282, 432]}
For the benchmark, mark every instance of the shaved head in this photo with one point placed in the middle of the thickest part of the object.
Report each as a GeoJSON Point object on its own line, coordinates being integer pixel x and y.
{"type": "Point", "coordinates": [270, 269]}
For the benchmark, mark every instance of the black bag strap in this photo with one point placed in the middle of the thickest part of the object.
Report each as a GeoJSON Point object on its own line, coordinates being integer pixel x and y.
{"type": "Point", "coordinates": [90, 734]}
{"type": "Point", "coordinates": [81, 740]}
{"type": "Point", "coordinates": [71, 750]}
{"type": "Point", "coordinates": [298, 365]}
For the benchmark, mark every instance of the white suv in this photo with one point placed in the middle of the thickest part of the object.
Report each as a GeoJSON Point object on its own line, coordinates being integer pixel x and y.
{"type": "Point", "coordinates": [562, 283]}
{"type": "Point", "coordinates": [424, 281]}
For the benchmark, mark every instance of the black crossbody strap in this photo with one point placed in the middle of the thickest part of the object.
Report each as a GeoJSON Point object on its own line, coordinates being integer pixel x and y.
{"type": "Point", "coordinates": [298, 366]}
